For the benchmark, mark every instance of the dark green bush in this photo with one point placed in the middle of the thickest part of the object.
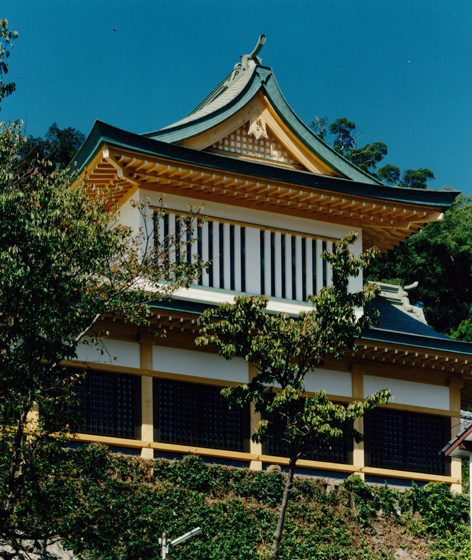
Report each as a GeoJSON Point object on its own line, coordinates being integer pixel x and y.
{"type": "Point", "coordinates": [115, 507]}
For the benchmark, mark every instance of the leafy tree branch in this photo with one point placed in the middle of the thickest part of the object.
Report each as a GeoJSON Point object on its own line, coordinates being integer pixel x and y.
{"type": "Point", "coordinates": [284, 350]}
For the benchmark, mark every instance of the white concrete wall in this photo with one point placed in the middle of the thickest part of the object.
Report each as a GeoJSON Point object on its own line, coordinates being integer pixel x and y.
{"type": "Point", "coordinates": [115, 352]}
{"type": "Point", "coordinates": [199, 364]}
{"type": "Point", "coordinates": [409, 392]}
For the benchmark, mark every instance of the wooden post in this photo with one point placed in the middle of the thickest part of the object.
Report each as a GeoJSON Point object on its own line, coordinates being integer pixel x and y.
{"type": "Point", "coordinates": [255, 417]}
{"type": "Point", "coordinates": [358, 454]}
{"type": "Point", "coordinates": [147, 420]}
{"type": "Point", "coordinates": [455, 386]}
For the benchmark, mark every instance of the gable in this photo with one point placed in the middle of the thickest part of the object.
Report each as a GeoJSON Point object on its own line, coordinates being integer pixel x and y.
{"type": "Point", "coordinates": [262, 136]}
{"type": "Point", "coordinates": [255, 141]}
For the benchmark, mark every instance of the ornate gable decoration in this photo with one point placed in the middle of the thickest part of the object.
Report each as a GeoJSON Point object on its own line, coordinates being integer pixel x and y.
{"type": "Point", "coordinates": [254, 141]}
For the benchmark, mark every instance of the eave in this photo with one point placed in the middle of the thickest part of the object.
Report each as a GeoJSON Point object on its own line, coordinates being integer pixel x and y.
{"type": "Point", "coordinates": [122, 162]}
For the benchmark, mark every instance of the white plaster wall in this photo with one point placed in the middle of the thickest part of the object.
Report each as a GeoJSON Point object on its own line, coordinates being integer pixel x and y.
{"type": "Point", "coordinates": [130, 216]}
{"type": "Point", "coordinates": [199, 364]}
{"type": "Point", "coordinates": [115, 352]}
{"type": "Point", "coordinates": [253, 269]}
{"type": "Point", "coordinates": [333, 382]}
{"type": "Point", "coordinates": [409, 392]}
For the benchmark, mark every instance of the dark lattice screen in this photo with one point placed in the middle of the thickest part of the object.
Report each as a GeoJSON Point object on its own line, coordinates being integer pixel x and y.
{"type": "Point", "coordinates": [194, 414]}
{"type": "Point", "coordinates": [109, 405]}
{"type": "Point", "coordinates": [407, 441]}
{"type": "Point", "coordinates": [339, 452]}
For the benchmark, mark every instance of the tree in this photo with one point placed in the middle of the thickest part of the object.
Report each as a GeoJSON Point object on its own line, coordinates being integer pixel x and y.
{"type": "Point", "coordinates": [344, 140]}
{"type": "Point", "coordinates": [58, 147]}
{"type": "Point", "coordinates": [65, 261]}
{"type": "Point", "coordinates": [440, 256]}
{"type": "Point", "coordinates": [416, 179]}
{"type": "Point", "coordinates": [283, 350]}
{"type": "Point", "coordinates": [6, 43]}
{"type": "Point", "coordinates": [344, 136]}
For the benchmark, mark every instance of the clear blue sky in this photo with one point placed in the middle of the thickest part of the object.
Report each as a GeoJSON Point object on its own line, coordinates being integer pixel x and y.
{"type": "Point", "coordinates": [400, 69]}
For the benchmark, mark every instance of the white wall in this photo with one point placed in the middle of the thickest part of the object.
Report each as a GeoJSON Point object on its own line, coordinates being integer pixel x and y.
{"type": "Point", "coordinates": [333, 382]}
{"type": "Point", "coordinates": [199, 364]}
{"type": "Point", "coordinates": [409, 392]}
{"type": "Point", "coordinates": [131, 216]}
{"type": "Point", "coordinates": [115, 352]}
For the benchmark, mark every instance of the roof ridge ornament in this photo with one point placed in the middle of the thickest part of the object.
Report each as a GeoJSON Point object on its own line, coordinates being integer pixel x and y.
{"type": "Point", "coordinates": [242, 67]}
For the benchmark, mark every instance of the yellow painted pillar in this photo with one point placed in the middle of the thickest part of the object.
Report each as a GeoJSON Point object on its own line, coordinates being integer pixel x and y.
{"type": "Point", "coordinates": [147, 420]}
{"type": "Point", "coordinates": [358, 453]}
{"type": "Point", "coordinates": [455, 386]}
{"type": "Point", "coordinates": [32, 418]}
{"type": "Point", "coordinates": [255, 418]}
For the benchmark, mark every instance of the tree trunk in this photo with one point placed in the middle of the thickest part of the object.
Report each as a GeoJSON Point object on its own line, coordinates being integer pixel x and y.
{"type": "Point", "coordinates": [274, 553]}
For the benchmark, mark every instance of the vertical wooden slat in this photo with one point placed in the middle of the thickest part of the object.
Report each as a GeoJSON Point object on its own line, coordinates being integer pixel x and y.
{"type": "Point", "coordinates": [216, 255]}
{"type": "Point", "coordinates": [267, 256]}
{"type": "Point", "coordinates": [309, 267]}
{"type": "Point", "coordinates": [278, 265]}
{"type": "Point", "coordinates": [329, 272]}
{"type": "Point", "coordinates": [171, 218]}
{"type": "Point", "coordinates": [226, 255]}
{"type": "Point", "coordinates": [288, 266]}
{"type": "Point", "coordinates": [205, 253]}
{"type": "Point", "coordinates": [298, 264]}
{"type": "Point", "coordinates": [237, 258]}
{"type": "Point", "coordinates": [319, 265]}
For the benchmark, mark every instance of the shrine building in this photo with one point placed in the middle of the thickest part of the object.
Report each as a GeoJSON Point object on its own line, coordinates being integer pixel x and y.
{"type": "Point", "coordinates": [274, 196]}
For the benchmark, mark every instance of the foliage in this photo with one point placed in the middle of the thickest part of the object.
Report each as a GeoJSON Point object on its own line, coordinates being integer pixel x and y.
{"type": "Point", "coordinates": [65, 261]}
{"type": "Point", "coordinates": [6, 43]}
{"type": "Point", "coordinates": [105, 506]}
{"type": "Point", "coordinates": [441, 256]}
{"type": "Point", "coordinates": [284, 349]}
{"type": "Point", "coordinates": [58, 147]}
{"type": "Point", "coordinates": [344, 138]}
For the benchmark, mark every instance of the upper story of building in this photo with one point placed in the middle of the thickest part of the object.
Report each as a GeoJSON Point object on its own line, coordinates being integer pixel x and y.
{"type": "Point", "coordinates": [272, 193]}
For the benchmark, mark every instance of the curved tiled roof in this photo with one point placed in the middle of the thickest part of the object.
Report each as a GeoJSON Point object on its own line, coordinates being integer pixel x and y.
{"type": "Point", "coordinates": [231, 95]}
{"type": "Point", "coordinates": [221, 96]}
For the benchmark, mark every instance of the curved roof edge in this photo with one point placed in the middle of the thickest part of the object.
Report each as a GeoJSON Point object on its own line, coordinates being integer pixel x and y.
{"type": "Point", "coordinates": [223, 103]}
{"type": "Point", "coordinates": [384, 336]}
{"type": "Point", "coordinates": [103, 133]}
{"type": "Point", "coordinates": [418, 341]}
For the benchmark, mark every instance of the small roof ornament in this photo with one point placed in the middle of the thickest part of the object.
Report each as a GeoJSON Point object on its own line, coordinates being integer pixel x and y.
{"type": "Point", "coordinates": [241, 67]}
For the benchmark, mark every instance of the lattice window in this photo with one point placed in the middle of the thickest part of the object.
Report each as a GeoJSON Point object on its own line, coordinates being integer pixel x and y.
{"type": "Point", "coordinates": [282, 265]}
{"type": "Point", "coordinates": [340, 450]}
{"type": "Point", "coordinates": [198, 415]}
{"type": "Point", "coordinates": [109, 405]}
{"type": "Point", "coordinates": [223, 245]}
{"type": "Point", "coordinates": [407, 441]}
{"type": "Point", "coordinates": [240, 142]}
{"type": "Point", "coordinates": [291, 265]}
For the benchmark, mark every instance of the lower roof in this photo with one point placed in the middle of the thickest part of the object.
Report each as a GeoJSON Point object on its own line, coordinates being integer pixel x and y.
{"type": "Point", "coordinates": [411, 336]}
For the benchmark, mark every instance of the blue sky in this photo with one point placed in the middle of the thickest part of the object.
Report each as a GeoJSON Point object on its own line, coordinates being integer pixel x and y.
{"type": "Point", "coordinates": [400, 69]}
